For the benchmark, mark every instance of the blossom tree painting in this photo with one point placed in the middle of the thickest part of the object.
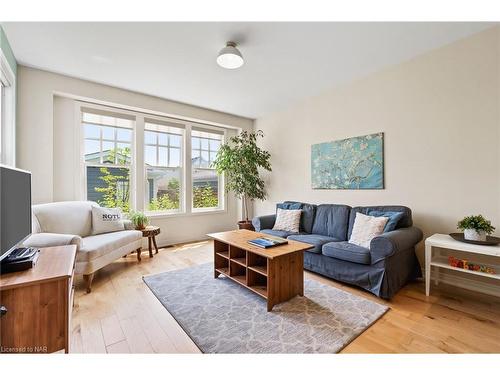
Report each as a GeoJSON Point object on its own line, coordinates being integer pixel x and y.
{"type": "Point", "coordinates": [352, 163]}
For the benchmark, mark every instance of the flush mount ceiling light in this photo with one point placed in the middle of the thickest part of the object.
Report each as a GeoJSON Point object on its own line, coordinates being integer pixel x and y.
{"type": "Point", "coordinates": [230, 57]}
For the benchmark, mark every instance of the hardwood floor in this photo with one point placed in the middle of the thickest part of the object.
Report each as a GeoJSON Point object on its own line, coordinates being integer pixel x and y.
{"type": "Point", "coordinates": [121, 315]}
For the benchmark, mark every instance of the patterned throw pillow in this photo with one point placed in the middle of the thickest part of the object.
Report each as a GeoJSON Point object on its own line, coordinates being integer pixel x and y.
{"type": "Point", "coordinates": [366, 228]}
{"type": "Point", "coordinates": [287, 220]}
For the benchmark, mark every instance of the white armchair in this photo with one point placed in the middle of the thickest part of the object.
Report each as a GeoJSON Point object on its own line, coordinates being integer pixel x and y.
{"type": "Point", "coordinates": [65, 223]}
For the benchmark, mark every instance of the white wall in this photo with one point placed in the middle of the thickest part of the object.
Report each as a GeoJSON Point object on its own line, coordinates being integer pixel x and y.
{"type": "Point", "coordinates": [46, 133]}
{"type": "Point", "coordinates": [440, 116]}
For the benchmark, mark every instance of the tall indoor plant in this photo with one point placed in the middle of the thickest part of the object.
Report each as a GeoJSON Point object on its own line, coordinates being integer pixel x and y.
{"type": "Point", "coordinates": [240, 160]}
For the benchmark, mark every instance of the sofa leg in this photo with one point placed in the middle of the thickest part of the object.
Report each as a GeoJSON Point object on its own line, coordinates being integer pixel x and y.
{"type": "Point", "coordinates": [88, 281]}
{"type": "Point", "coordinates": [139, 254]}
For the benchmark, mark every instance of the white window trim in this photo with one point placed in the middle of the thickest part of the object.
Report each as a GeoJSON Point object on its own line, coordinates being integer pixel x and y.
{"type": "Point", "coordinates": [137, 174]}
{"type": "Point", "coordinates": [8, 121]}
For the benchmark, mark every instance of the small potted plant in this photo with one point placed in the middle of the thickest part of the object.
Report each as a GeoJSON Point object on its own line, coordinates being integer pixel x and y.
{"type": "Point", "coordinates": [475, 227]}
{"type": "Point", "coordinates": [139, 220]}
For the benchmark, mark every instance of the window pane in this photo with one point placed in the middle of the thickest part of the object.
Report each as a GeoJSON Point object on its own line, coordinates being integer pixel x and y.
{"type": "Point", "coordinates": [204, 162]}
{"type": "Point", "coordinates": [175, 140]}
{"type": "Point", "coordinates": [162, 139]}
{"type": "Point", "coordinates": [195, 143]}
{"type": "Point", "coordinates": [124, 135]}
{"type": "Point", "coordinates": [123, 154]}
{"type": "Point", "coordinates": [205, 188]}
{"type": "Point", "coordinates": [214, 145]}
{"type": "Point", "coordinates": [110, 187]}
{"type": "Point", "coordinates": [175, 157]}
{"type": "Point", "coordinates": [162, 189]}
{"type": "Point", "coordinates": [204, 144]}
{"type": "Point", "coordinates": [212, 156]}
{"type": "Point", "coordinates": [91, 131]}
{"type": "Point", "coordinates": [162, 156]}
{"type": "Point", "coordinates": [150, 155]}
{"type": "Point", "coordinates": [91, 153]}
{"type": "Point", "coordinates": [108, 152]}
{"type": "Point", "coordinates": [195, 158]}
{"type": "Point", "coordinates": [150, 137]}
{"type": "Point", "coordinates": [108, 133]}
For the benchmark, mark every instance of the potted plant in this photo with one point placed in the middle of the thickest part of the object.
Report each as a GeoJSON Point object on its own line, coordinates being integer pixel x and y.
{"type": "Point", "coordinates": [475, 227]}
{"type": "Point", "coordinates": [138, 219]}
{"type": "Point", "coordinates": [240, 160]}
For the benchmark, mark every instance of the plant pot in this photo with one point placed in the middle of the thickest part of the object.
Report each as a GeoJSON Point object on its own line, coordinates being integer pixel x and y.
{"type": "Point", "coordinates": [140, 227]}
{"type": "Point", "coordinates": [474, 235]}
{"type": "Point", "coordinates": [244, 224]}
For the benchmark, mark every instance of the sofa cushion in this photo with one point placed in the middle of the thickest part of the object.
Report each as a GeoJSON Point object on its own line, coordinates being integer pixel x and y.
{"type": "Point", "coordinates": [95, 246]}
{"type": "Point", "coordinates": [308, 215]}
{"type": "Point", "coordinates": [287, 220]}
{"type": "Point", "coordinates": [277, 233]}
{"type": "Point", "coordinates": [106, 220]}
{"type": "Point", "coordinates": [347, 251]}
{"type": "Point", "coordinates": [313, 239]}
{"type": "Point", "coordinates": [393, 217]}
{"type": "Point", "coordinates": [71, 217]}
{"type": "Point", "coordinates": [289, 206]}
{"type": "Point", "coordinates": [331, 220]}
{"type": "Point", "coordinates": [367, 228]}
{"type": "Point", "coordinates": [405, 222]}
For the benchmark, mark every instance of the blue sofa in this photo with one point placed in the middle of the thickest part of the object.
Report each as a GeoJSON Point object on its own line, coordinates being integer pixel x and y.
{"type": "Point", "coordinates": [383, 269]}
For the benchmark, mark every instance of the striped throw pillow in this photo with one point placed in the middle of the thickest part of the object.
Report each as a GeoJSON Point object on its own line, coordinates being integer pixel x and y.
{"type": "Point", "coordinates": [287, 220]}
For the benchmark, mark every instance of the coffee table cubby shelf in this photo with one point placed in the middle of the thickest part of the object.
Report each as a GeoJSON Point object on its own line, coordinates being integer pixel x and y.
{"type": "Point", "coordinates": [276, 274]}
{"type": "Point", "coordinates": [246, 268]}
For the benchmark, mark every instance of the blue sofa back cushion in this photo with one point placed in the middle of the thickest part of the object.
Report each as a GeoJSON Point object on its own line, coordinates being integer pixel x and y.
{"type": "Point", "coordinates": [331, 220]}
{"type": "Point", "coordinates": [289, 206]}
{"type": "Point", "coordinates": [307, 217]}
{"type": "Point", "coordinates": [393, 221]}
{"type": "Point", "coordinates": [405, 222]}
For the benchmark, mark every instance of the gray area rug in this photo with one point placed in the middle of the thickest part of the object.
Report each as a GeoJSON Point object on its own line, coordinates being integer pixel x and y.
{"type": "Point", "coordinates": [221, 316]}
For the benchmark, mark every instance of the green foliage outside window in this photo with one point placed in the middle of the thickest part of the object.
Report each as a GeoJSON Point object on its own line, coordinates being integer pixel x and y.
{"type": "Point", "coordinates": [168, 200]}
{"type": "Point", "coordinates": [116, 192]}
{"type": "Point", "coordinates": [204, 197]}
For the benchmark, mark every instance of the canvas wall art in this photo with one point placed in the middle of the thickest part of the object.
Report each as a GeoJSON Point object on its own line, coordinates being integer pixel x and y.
{"type": "Point", "coordinates": [352, 163]}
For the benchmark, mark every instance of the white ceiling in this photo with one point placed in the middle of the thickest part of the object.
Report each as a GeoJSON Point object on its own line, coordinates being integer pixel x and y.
{"type": "Point", "coordinates": [284, 62]}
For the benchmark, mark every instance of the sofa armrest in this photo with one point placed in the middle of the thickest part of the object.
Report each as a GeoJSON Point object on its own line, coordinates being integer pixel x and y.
{"type": "Point", "coordinates": [128, 224]}
{"type": "Point", "coordinates": [389, 243]}
{"type": "Point", "coordinates": [53, 239]}
{"type": "Point", "coordinates": [263, 222]}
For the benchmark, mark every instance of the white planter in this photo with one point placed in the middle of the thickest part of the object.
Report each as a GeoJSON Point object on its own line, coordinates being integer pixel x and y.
{"type": "Point", "coordinates": [474, 235]}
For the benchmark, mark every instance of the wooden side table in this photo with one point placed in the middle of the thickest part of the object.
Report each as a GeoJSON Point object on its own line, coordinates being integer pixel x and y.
{"type": "Point", "coordinates": [151, 232]}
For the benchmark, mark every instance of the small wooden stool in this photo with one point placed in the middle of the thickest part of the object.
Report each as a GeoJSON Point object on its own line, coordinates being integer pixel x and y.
{"type": "Point", "coordinates": [150, 232]}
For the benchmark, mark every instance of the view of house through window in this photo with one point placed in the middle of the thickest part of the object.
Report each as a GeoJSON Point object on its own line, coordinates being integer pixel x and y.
{"type": "Point", "coordinates": [109, 157]}
{"type": "Point", "coordinates": [107, 153]}
{"type": "Point", "coordinates": [163, 162]}
{"type": "Point", "coordinates": [204, 147]}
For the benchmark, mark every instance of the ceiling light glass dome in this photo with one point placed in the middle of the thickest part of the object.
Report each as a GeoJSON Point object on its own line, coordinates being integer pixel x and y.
{"type": "Point", "coordinates": [230, 57]}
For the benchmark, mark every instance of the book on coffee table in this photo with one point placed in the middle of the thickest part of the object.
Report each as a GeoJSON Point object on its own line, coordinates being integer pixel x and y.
{"type": "Point", "coordinates": [266, 242]}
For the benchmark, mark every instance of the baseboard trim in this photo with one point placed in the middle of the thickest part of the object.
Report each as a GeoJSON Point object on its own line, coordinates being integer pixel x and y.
{"type": "Point", "coordinates": [465, 283]}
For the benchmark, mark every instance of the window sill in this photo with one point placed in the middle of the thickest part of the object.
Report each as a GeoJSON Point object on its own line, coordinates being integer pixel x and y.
{"type": "Point", "coordinates": [165, 215]}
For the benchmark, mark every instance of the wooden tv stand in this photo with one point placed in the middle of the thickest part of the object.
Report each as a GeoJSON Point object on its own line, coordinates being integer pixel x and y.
{"type": "Point", "coordinates": [276, 274]}
{"type": "Point", "coordinates": [39, 302]}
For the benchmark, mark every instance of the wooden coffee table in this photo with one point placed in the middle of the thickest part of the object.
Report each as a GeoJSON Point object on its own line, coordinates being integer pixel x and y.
{"type": "Point", "coordinates": [277, 273]}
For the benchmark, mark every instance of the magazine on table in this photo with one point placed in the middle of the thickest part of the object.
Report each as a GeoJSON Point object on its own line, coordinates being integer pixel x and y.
{"type": "Point", "coordinates": [266, 242]}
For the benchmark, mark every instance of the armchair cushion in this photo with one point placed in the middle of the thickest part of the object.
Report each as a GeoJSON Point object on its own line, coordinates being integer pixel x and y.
{"type": "Point", "coordinates": [101, 244]}
{"type": "Point", "coordinates": [347, 251]}
{"type": "Point", "coordinates": [263, 222]}
{"type": "Point", "coordinates": [316, 240]}
{"type": "Point", "coordinates": [389, 243]}
{"type": "Point", "coordinates": [52, 239]}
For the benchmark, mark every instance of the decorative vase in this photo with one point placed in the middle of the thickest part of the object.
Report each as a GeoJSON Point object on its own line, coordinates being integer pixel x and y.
{"type": "Point", "coordinates": [474, 235]}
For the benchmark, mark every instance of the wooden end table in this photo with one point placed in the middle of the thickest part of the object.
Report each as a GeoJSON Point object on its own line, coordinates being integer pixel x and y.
{"type": "Point", "coordinates": [151, 232]}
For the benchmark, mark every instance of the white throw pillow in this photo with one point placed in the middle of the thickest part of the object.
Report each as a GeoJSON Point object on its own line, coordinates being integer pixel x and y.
{"type": "Point", "coordinates": [366, 228]}
{"type": "Point", "coordinates": [287, 220]}
{"type": "Point", "coordinates": [105, 220]}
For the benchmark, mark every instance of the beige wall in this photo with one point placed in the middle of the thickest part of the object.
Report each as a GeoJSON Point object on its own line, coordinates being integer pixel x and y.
{"type": "Point", "coordinates": [46, 138]}
{"type": "Point", "coordinates": [440, 116]}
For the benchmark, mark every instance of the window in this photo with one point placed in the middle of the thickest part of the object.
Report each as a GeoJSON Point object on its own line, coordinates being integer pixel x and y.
{"type": "Point", "coordinates": [206, 182]}
{"type": "Point", "coordinates": [163, 155]}
{"type": "Point", "coordinates": [107, 157]}
{"type": "Point", "coordinates": [1, 119]}
{"type": "Point", "coordinates": [149, 163]}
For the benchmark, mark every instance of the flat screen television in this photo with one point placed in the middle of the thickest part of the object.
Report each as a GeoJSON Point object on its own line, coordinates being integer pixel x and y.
{"type": "Point", "coordinates": [15, 208]}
